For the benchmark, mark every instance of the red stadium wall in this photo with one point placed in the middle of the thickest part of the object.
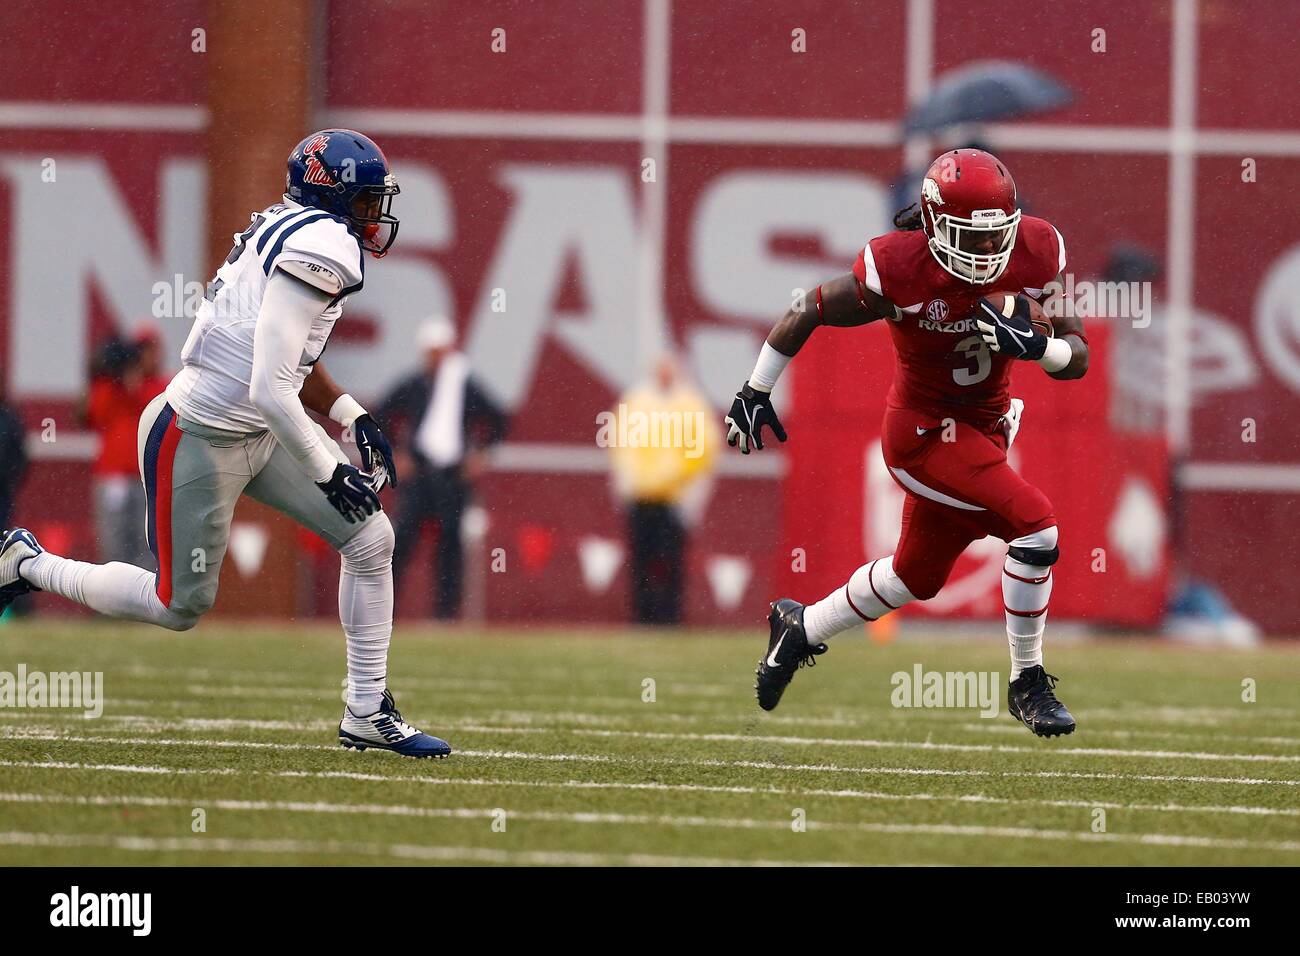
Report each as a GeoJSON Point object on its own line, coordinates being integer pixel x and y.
{"type": "Point", "coordinates": [523, 170]}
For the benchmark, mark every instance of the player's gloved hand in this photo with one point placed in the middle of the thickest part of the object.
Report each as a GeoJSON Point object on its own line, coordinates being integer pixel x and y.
{"type": "Point", "coordinates": [1011, 420]}
{"type": "Point", "coordinates": [750, 411]}
{"type": "Point", "coordinates": [1013, 335]}
{"type": "Point", "coordinates": [350, 492]}
{"type": "Point", "coordinates": [376, 452]}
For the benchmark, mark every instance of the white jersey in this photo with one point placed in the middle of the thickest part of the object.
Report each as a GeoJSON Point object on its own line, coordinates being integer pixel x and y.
{"type": "Point", "coordinates": [212, 387]}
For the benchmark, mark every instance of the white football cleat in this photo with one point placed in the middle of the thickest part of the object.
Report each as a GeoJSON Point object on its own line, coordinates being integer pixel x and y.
{"type": "Point", "coordinates": [16, 546]}
{"type": "Point", "coordinates": [386, 730]}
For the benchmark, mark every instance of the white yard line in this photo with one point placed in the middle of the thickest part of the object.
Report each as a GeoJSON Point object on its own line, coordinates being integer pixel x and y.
{"type": "Point", "coordinates": [558, 721]}
{"type": "Point", "coordinates": [839, 793]}
{"type": "Point", "coordinates": [54, 734]}
{"type": "Point", "coordinates": [747, 823]}
{"type": "Point", "coordinates": [639, 759]}
{"type": "Point", "coordinates": [285, 680]}
{"type": "Point", "coordinates": [892, 744]}
{"type": "Point", "coordinates": [1010, 729]}
{"type": "Point", "coordinates": [400, 810]}
{"type": "Point", "coordinates": [119, 767]}
{"type": "Point", "coordinates": [280, 684]}
{"type": "Point", "coordinates": [239, 692]}
{"type": "Point", "coordinates": [42, 735]}
{"type": "Point", "coordinates": [400, 850]}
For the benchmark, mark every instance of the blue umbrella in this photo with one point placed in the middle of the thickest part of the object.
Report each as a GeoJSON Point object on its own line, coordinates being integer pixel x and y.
{"type": "Point", "coordinates": [983, 91]}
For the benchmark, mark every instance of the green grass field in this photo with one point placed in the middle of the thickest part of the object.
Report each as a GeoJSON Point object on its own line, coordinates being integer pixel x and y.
{"type": "Point", "coordinates": [239, 721]}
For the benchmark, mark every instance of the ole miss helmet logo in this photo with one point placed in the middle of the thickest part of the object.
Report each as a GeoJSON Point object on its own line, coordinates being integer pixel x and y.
{"type": "Point", "coordinates": [316, 173]}
{"type": "Point", "coordinates": [937, 310]}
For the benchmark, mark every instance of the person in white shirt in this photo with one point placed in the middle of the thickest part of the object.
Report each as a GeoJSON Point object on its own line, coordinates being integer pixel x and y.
{"type": "Point", "coordinates": [235, 421]}
{"type": "Point", "coordinates": [450, 420]}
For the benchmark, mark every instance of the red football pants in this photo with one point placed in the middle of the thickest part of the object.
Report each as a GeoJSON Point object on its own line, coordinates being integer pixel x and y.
{"type": "Point", "coordinates": [958, 491]}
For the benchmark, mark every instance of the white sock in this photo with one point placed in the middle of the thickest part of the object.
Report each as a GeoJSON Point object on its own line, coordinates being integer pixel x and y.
{"type": "Point", "coordinates": [872, 592]}
{"type": "Point", "coordinates": [1026, 589]}
{"type": "Point", "coordinates": [116, 589]}
{"type": "Point", "coordinates": [366, 611]}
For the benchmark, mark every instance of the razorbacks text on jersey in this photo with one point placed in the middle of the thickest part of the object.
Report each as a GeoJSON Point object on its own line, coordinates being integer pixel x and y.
{"type": "Point", "coordinates": [212, 387]}
{"type": "Point", "coordinates": [943, 366]}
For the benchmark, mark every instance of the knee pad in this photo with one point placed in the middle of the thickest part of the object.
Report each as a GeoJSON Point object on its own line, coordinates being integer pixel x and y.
{"type": "Point", "coordinates": [1038, 549]}
{"type": "Point", "coordinates": [370, 550]}
{"type": "Point", "coordinates": [179, 620]}
{"type": "Point", "coordinates": [191, 603]}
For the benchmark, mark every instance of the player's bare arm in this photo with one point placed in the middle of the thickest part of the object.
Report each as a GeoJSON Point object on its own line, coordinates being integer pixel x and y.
{"type": "Point", "coordinates": [320, 391]}
{"type": "Point", "coordinates": [843, 302]}
{"type": "Point", "coordinates": [324, 396]}
{"type": "Point", "coordinates": [1069, 328]}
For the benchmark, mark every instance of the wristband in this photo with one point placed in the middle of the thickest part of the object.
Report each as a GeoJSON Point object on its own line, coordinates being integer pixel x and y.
{"type": "Point", "coordinates": [768, 369]}
{"type": "Point", "coordinates": [346, 410]}
{"type": "Point", "coordinates": [1056, 356]}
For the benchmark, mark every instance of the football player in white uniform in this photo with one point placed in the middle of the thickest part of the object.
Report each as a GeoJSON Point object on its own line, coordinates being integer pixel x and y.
{"type": "Point", "coordinates": [234, 421]}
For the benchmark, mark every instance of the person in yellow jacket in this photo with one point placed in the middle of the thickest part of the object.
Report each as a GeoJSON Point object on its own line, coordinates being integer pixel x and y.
{"type": "Point", "coordinates": [663, 443]}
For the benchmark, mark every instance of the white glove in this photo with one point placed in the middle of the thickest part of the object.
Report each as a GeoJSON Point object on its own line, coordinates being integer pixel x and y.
{"type": "Point", "coordinates": [1011, 420]}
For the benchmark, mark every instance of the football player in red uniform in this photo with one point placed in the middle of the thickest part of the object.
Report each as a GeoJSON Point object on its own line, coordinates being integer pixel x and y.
{"type": "Point", "coordinates": [944, 281]}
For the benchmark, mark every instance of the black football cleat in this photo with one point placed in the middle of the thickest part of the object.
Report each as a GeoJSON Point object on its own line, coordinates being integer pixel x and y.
{"type": "Point", "coordinates": [1030, 699]}
{"type": "Point", "coordinates": [787, 651]}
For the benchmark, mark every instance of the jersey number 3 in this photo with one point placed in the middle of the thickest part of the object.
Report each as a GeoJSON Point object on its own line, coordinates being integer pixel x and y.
{"type": "Point", "coordinates": [978, 361]}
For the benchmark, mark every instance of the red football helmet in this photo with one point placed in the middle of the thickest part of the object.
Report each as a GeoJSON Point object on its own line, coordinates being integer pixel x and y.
{"type": "Point", "coordinates": [969, 212]}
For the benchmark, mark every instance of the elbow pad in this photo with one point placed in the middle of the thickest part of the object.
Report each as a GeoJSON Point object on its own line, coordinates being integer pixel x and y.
{"type": "Point", "coordinates": [313, 274]}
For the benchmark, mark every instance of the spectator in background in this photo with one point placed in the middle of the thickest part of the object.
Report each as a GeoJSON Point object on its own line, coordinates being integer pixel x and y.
{"type": "Point", "coordinates": [13, 465]}
{"type": "Point", "coordinates": [661, 471]}
{"type": "Point", "coordinates": [447, 421]}
{"type": "Point", "coordinates": [13, 458]}
{"type": "Point", "coordinates": [125, 378]}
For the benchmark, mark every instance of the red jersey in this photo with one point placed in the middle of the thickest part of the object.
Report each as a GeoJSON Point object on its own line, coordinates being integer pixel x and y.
{"type": "Point", "coordinates": [942, 366]}
{"type": "Point", "coordinates": [113, 410]}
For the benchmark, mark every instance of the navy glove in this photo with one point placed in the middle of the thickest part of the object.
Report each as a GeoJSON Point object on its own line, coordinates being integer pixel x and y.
{"type": "Point", "coordinates": [750, 411]}
{"type": "Point", "coordinates": [1013, 335]}
{"type": "Point", "coordinates": [376, 452]}
{"type": "Point", "coordinates": [350, 492]}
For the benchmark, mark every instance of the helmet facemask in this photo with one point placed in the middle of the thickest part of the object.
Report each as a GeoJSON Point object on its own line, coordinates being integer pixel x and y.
{"type": "Point", "coordinates": [370, 213]}
{"type": "Point", "coordinates": [953, 239]}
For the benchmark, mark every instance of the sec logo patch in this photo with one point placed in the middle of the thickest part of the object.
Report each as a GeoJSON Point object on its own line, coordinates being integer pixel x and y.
{"type": "Point", "coordinates": [937, 310]}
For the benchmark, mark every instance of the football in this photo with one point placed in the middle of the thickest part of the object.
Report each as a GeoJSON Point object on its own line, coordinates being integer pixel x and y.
{"type": "Point", "coordinates": [1038, 318]}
